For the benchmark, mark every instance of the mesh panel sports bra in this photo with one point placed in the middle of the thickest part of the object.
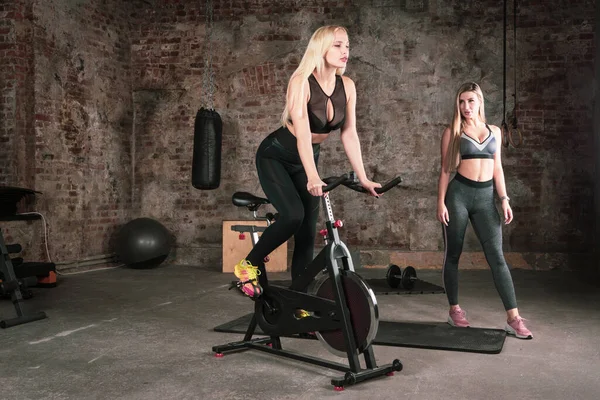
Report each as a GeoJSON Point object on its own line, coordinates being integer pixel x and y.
{"type": "Point", "coordinates": [317, 106]}
{"type": "Point", "coordinates": [471, 148]}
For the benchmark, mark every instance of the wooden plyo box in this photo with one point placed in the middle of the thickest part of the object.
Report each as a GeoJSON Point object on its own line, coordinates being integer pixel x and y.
{"type": "Point", "coordinates": [235, 249]}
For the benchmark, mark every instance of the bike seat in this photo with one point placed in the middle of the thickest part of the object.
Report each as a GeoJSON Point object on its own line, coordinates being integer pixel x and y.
{"type": "Point", "coordinates": [245, 199]}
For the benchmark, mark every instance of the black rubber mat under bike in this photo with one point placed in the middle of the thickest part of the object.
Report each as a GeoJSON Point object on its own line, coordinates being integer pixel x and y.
{"type": "Point", "coordinates": [435, 336]}
{"type": "Point", "coordinates": [380, 286]}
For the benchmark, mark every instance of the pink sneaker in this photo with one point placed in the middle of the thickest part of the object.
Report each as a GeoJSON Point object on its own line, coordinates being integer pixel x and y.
{"type": "Point", "coordinates": [458, 318]}
{"type": "Point", "coordinates": [517, 327]}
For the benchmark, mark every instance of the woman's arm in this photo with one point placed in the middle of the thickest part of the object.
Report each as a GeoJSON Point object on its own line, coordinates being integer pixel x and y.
{"type": "Point", "coordinates": [299, 115]}
{"type": "Point", "coordinates": [350, 139]}
{"type": "Point", "coordinates": [499, 176]}
{"type": "Point", "coordinates": [442, 211]}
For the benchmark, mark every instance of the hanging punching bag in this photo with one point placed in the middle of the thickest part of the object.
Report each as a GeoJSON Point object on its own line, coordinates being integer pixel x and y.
{"type": "Point", "coordinates": [206, 161]}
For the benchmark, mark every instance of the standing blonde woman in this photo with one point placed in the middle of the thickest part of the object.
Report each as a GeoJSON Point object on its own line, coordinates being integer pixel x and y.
{"type": "Point", "coordinates": [471, 147]}
{"type": "Point", "coordinates": [319, 100]}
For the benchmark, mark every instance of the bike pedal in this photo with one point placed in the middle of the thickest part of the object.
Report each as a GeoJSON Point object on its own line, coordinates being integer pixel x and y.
{"type": "Point", "coordinates": [238, 285]}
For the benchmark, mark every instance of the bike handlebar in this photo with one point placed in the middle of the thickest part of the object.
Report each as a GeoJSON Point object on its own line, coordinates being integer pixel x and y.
{"type": "Point", "coordinates": [334, 181]}
{"type": "Point", "coordinates": [394, 182]}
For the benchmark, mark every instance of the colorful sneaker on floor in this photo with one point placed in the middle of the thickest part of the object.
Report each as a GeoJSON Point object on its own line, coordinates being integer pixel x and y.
{"type": "Point", "coordinates": [458, 317]}
{"type": "Point", "coordinates": [517, 328]}
{"type": "Point", "coordinates": [248, 276]}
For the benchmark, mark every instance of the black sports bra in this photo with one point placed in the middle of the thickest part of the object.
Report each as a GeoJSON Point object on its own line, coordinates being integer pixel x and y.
{"type": "Point", "coordinates": [317, 106]}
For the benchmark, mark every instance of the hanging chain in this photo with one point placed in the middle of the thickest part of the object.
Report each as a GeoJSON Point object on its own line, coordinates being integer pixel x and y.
{"type": "Point", "coordinates": [504, 125]}
{"type": "Point", "coordinates": [514, 130]}
{"type": "Point", "coordinates": [208, 82]}
{"type": "Point", "coordinates": [509, 131]}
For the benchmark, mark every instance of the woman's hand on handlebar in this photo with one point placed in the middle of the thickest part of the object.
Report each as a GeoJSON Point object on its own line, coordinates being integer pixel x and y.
{"type": "Point", "coordinates": [370, 186]}
{"type": "Point", "coordinates": [315, 186]}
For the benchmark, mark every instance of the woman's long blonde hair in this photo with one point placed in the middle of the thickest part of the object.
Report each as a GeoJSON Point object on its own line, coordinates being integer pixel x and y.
{"type": "Point", "coordinates": [452, 159]}
{"type": "Point", "coordinates": [313, 59]}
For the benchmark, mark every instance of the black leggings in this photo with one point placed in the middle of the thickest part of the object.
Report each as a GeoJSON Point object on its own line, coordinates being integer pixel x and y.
{"type": "Point", "coordinates": [470, 200]}
{"type": "Point", "coordinates": [283, 179]}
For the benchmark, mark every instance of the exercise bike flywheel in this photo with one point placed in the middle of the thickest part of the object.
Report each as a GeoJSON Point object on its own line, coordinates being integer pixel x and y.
{"type": "Point", "coordinates": [362, 305]}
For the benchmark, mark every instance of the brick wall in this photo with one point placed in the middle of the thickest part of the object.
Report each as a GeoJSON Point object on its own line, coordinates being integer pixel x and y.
{"type": "Point", "coordinates": [68, 93]}
{"type": "Point", "coordinates": [407, 59]}
{"type": "Point", "coordinates": [83, 122]}
{"type": "Point", "coordinates": [596, 244]}
{"type": "Point", "coordinates": [555, 168]}
{"type": "Point", "coordinates": [115, 86]}
{"type": "Point", "coordinates": [16, 93]}
{"type": "Point", "coordinates": [17, 142]}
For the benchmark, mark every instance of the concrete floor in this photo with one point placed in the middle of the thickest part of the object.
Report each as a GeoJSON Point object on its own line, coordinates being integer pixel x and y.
{"type": "Point", "coordinates": [147, 334]}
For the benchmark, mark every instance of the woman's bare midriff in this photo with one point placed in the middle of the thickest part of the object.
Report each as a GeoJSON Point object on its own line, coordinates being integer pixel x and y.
{"type": "Point", "coordinates": [477, 169]}
{"type": "Point", "coordinates": [316, 137]}
{"type": "Point", "coordinates": [319, 137]}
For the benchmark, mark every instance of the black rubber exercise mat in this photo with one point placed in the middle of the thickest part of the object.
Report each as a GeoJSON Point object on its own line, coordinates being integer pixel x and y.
{"type": "Point", "coordinates": [440, 336]}
{"type": "Point", "coordinates": [380, 286]}
{"type": "Point", "coordinates": [436, 336]}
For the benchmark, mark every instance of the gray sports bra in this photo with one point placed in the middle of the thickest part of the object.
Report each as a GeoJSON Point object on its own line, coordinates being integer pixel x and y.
{"type": "Point", "coordinates": [471, 148]}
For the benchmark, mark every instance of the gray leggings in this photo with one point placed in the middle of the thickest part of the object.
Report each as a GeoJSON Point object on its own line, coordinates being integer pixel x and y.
{"type": "Point", "coordinates": [470, 200]}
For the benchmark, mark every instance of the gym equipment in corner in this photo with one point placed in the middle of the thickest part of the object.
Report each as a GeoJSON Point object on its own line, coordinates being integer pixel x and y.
{"type": "Point", "coordinates": [17, 276]}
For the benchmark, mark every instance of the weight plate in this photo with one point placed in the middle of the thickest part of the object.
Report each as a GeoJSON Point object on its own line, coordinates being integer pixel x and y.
{"type": "Point", "coordinates": [393, 276]}
{"type": "Point", "coordinates": [409, 277]}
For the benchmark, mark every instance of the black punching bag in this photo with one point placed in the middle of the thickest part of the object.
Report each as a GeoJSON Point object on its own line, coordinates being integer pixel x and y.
{"type": "Point", "coordinates": [206, 162]}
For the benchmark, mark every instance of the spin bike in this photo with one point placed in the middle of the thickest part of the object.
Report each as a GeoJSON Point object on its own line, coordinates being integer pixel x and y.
{"type": "Point", "coordinates": [343, 309]}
